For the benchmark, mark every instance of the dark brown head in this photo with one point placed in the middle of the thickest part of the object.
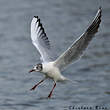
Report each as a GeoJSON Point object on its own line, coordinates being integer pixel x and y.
{"type": "Point", "coordinates": [37, 67]}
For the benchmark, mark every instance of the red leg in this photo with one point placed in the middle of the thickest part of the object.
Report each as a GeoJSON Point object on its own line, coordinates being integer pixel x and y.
{"type": "Point", "coordinates": [33, 88]}
{"type": "Point", "coordinates": [52, 90]}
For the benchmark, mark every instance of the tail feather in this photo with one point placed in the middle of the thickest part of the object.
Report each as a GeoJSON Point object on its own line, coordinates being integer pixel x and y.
{"type": "Point", "coordinates": [67, 79]}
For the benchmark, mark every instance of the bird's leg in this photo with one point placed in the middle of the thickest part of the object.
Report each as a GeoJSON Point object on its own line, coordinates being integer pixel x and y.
{"type": "Point", "coordinates": [52, 90]}
{"type": "Point", "coordinates": [33, 88]}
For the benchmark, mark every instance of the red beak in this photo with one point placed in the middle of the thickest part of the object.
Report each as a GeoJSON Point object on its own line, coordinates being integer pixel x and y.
{"type": "Point", "coordinates": [31, 70]}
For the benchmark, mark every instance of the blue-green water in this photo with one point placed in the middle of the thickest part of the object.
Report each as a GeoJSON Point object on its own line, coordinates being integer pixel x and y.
{"type": "Point", "coordinates": [64, 21]}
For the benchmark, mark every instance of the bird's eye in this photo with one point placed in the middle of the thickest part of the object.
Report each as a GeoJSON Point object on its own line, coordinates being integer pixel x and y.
{"type": "Point", "coordinates": [39, 67]}
{"type": "Point", "coordinates": [36, 67]}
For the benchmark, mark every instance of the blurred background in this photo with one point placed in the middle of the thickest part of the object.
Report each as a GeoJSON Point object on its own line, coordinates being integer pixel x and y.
{"type": "Point", "coordinates": [64, 21]}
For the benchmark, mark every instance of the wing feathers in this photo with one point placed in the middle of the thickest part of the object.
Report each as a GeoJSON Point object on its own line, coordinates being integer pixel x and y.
{"type": "Point", "coordinates": [41, 32]}
{"type": "Point", "coordinates": [40, 39]}
{"type": "Point", "coordinates": [75, 51]}
{"type": "Point", "coordinates": [95, 24]}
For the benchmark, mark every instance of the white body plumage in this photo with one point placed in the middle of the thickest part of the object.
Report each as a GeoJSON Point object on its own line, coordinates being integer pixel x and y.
{"type": "Point", "coordinates": [53, 72]}
{"type": "Point", "coordinates": [51, 68]}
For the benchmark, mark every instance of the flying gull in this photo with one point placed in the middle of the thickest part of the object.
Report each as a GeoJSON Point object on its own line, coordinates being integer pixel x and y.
{"type": "Point", "coordinates": [52, 68]}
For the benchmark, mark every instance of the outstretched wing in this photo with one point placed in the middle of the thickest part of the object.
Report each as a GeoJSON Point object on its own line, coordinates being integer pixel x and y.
{"type": "Point", "coordinates": [76, 49]}
{"type": "Point", "coordinates": [40, 39]}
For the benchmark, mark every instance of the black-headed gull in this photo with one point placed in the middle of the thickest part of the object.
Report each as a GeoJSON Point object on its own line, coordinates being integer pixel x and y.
{"type": "Point", "coordinates": [52, 68]}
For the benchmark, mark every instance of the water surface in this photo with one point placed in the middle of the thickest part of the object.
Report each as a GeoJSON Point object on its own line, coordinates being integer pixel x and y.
{"type": "Point", "coordinates": [64, 21]}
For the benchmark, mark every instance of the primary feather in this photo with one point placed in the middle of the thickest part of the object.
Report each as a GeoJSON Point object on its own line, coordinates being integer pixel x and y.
{"type": "Point", "coordinates": [40, 40]}
{"type": "Point", "coordinates": [77, 48]}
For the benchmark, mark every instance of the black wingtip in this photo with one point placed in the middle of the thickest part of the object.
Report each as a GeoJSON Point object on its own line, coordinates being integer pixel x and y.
{"type": "Point", "coordinates": [100, 8]}
{"type": "Point", "coordinates": [36, 17]}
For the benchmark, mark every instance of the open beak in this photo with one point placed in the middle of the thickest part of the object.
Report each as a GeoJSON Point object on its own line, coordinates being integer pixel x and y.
{"type": "Point", "coordinates": [32, 70]}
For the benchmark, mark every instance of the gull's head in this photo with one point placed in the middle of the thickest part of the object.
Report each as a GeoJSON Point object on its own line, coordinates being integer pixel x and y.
{"type": "Point", "coordinates": [37, 68]}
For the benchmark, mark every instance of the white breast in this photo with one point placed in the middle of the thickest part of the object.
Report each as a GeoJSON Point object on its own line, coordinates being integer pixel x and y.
{"type": "Point", "coordinates": [51, 71]}
{"type": "Point", "coordinates": [50, 68]}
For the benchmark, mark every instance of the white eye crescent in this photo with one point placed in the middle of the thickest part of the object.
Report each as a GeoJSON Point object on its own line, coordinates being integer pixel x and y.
{"type": "Point", "coordinates": [39, 67]}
